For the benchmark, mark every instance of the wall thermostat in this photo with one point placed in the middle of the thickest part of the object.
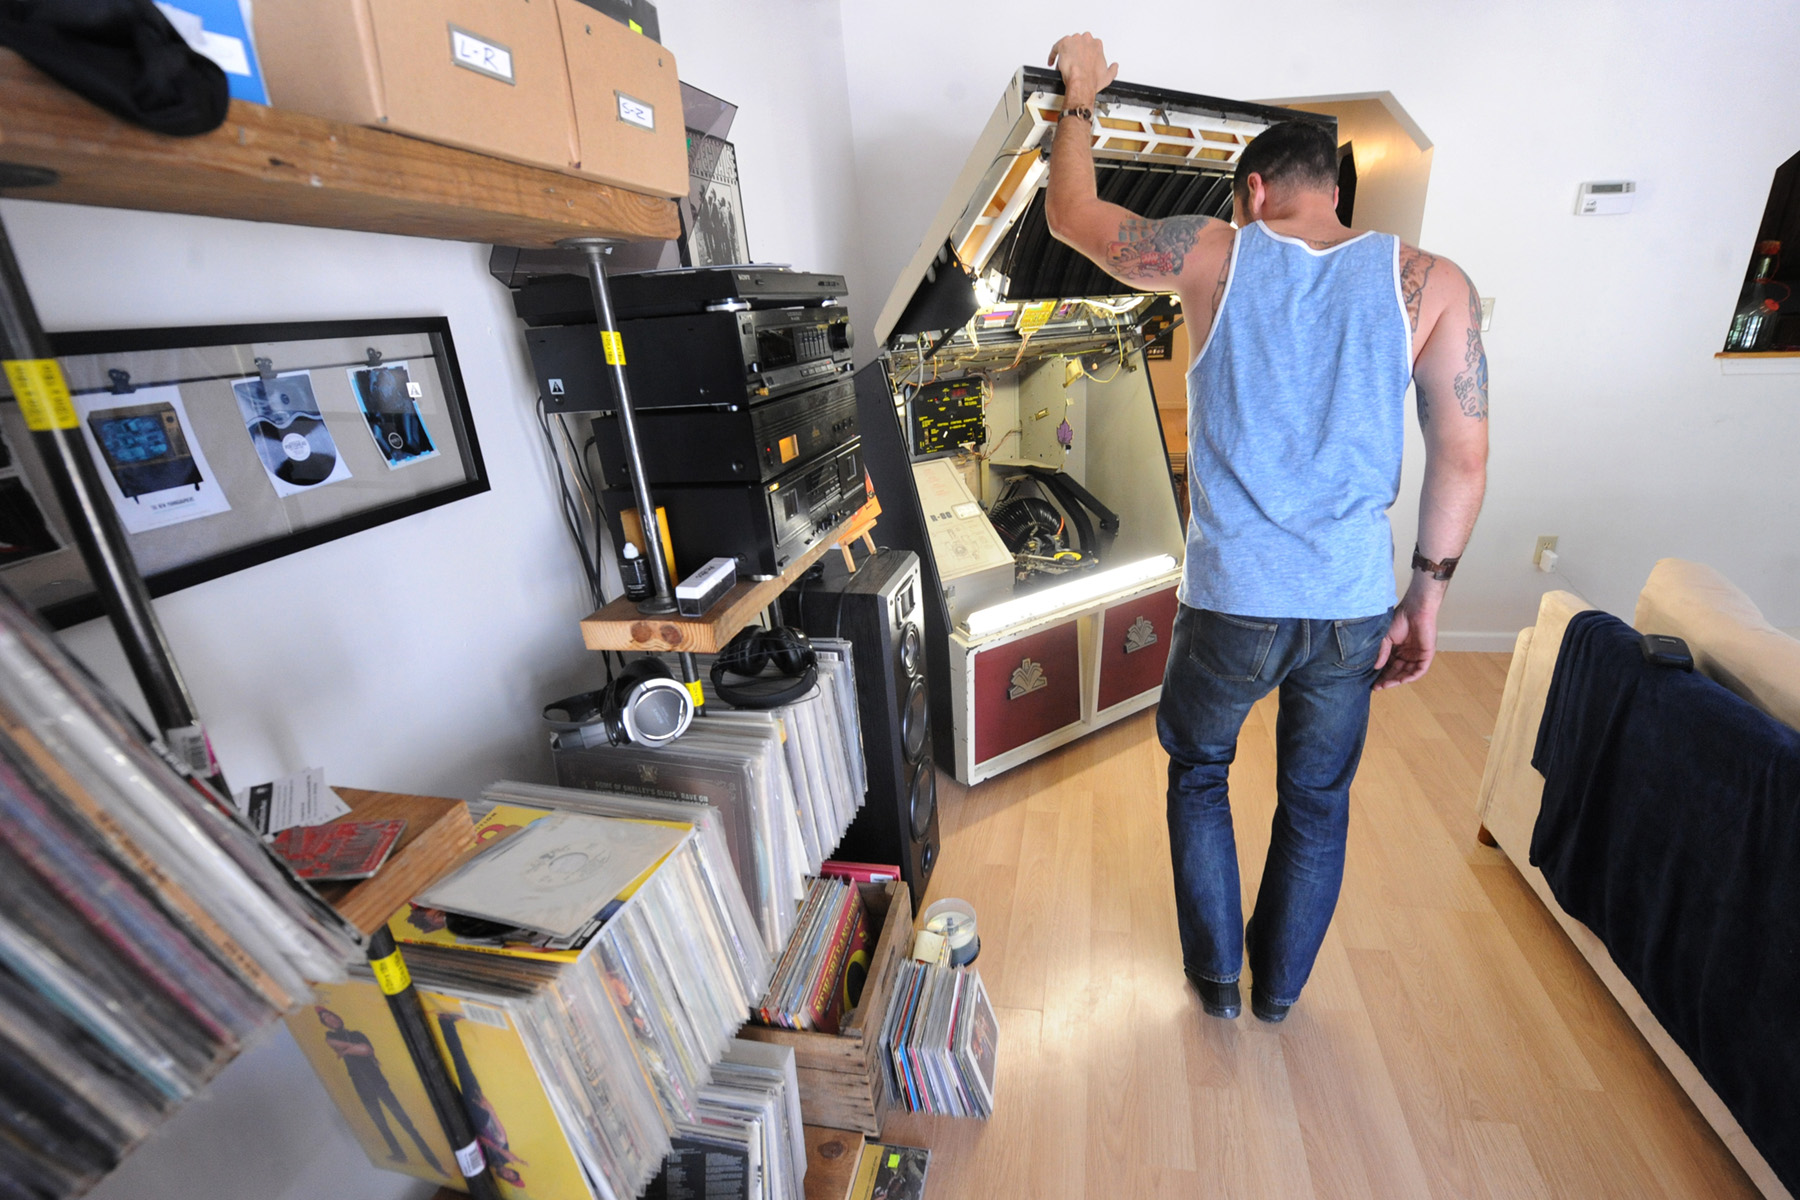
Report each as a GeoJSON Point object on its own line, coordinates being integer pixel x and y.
{"type": "Point", "coordinates": [1605, 199]}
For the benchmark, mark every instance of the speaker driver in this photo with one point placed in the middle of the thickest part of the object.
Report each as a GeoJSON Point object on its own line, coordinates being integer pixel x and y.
{"type": "Point", "coordinates": [923, 802]}
{"type": "Point", "coordinates": [912, 650]}
{"type": "Point", "coordinates": [915, 721]}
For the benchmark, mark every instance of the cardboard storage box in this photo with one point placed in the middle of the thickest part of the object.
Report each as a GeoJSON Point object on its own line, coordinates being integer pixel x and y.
{"type": "Point", "coordinates": [843, 1084]}
{"type": "Point", "coordinates": [628, 122]}
{"type": "Point", "coordinates": [485, 75]}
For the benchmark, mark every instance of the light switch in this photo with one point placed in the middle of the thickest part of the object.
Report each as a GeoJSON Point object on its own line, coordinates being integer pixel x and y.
{"type": "Point", "coordinates": [1487, 313]}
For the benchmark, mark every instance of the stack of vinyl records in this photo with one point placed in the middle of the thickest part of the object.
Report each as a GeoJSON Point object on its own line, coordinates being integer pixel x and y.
{"type": "Point", "coordinates": [809, 990]}
{"type": "Point", "coordinates": [942, 1042]}
{"type": "Point", "coordinates": [577, 1064]}
{"type": "Point", "coordinates": [145, 931]}
{"type": "Point", "coordinates": [748, 1143]}
{"type": "Point", "coordinates": [788, 781]}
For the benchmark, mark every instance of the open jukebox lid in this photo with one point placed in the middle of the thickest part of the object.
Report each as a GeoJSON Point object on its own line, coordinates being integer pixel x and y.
{"type": "Point", "coordinates": [1158, 152]}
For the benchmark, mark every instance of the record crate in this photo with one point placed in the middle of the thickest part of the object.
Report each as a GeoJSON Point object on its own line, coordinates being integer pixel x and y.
{"type": "Point", "coordinates": [842, 1078]}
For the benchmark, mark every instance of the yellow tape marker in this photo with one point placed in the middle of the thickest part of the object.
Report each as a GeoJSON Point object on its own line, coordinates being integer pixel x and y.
{"type": "Point", "coordinates": [391, 974]}
{"type": "Point", "coordinates": [615, 347]}
{"type": "Point", "coordinates": [42, 393]}
{"type": "Point", "coordinates": [693, 687]}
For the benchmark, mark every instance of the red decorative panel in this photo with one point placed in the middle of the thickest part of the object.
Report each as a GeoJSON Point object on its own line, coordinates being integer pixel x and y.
{"type": "Point", "coordinates": [1124, 672]}
{"type": "Point", "coordinates": [1026, 689]}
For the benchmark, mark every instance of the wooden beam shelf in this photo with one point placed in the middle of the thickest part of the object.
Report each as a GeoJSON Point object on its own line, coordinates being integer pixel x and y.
{"type": "Point", "coordinates": [265, 164]}
{"type": "Point", "coordinates": [438, 835]}
{"type": "Point", "coordinates": [620, 626]}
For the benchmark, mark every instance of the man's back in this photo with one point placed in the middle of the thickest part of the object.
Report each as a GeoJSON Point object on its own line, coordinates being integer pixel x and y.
{"type": "Point", "coordinates": [1296, 429]}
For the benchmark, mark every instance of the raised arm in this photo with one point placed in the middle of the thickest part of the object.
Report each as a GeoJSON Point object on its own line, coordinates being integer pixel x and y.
{"type": "Point", "coordinates": [1176, 254]}
{"type": "Point", "coordinates": [1450, 377]}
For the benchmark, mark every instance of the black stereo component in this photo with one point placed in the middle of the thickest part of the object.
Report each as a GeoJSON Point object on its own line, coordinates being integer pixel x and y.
{"type": "Point", "coordinates": [567, 300]}
{"type": "Point", "coordinates": [765, 526]}
{"type": "Point", "coordinates": [710, 358]}
{"type": "Point", "coordinates": [726, 443]}
{"type": "Point", "coordinates": [879, 609]}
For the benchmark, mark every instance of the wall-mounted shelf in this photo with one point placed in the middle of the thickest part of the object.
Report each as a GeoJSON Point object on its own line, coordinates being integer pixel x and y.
{"type": "Point", "coordinates": [264, 164]}
{"type": "Point", "coordinates": [1759, 362]}
{"type": "Point", "coordinates": [620, 626]}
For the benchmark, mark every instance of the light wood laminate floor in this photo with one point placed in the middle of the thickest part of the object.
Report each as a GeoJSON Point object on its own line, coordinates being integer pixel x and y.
{"type": "Point", "coordinates": [1451, 1043]}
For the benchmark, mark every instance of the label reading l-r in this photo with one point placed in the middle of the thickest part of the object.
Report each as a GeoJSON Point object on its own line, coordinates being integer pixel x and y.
{"type": "Point", "coordinates": [480, 55]}
{"type": "Point", "coordinates": [636, 112]}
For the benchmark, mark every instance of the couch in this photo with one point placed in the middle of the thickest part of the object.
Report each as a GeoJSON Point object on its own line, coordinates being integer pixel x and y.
{"type": "Point", "coordinates": [1732, 644]}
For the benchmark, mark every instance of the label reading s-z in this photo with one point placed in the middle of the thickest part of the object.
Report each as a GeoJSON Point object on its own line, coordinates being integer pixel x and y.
{"type": "Point", "coordinates": [636, 112]}
{"type": "Point", "coordinates": [480, 55]}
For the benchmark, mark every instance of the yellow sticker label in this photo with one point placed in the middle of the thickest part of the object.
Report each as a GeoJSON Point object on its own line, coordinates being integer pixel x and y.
{"type": "Point", "coordinates": [1034, 316]}
{"type": "Point", "coordinates": [693, 687]}
{"type": "Point", "coordinates": [391, 974]}
{"type": "Point", "coordinates": [42, 392]}
{"type": "Point", "coordinates": [635, 27]}
{"type": "Point", "coordinates": [893, 1161]}
{"type": "Point", "coordinates": [615, 347]}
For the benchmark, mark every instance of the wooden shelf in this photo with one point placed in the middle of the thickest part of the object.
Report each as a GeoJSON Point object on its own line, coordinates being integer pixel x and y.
{"type": "Point", "coordinates": [438, 834]}
{"type": "Point", "coordinates": [265, 164]}
{"type": "Point", "coordinates": [1758, 354]}
{"type": "Point", "coordinates": [620, 626]}
{"type": "Point", "coordinates": [831, 1158]}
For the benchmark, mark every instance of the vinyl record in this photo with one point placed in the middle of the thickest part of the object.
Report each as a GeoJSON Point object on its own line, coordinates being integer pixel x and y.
{"type": "Point", "coordinates": [303, 454]}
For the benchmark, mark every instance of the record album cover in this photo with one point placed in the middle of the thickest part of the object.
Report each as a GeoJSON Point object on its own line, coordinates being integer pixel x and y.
{"type": "Point", "coordinates": [340, 850]}
{"type": "Point", "coordinates": [284, 424]}
{"type": "Point", "coordinates": [389, 399]}
{"type": "Point", "coordinates": [151, 464]}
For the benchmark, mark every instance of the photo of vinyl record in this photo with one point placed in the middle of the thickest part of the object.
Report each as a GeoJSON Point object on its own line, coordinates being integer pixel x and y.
{"type": "Point", "coordinates": [303, 454]}
{"type": "Point", "coordinates": [281, 415]}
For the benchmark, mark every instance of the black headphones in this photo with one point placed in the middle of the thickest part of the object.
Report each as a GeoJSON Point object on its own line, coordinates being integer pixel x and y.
{"type": "Point", "coordinates": [644, 704]}
{"type": "Point", "coordinates": [753, 651]}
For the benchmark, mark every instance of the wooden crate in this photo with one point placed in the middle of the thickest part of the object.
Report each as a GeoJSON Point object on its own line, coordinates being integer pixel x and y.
{"type": "Point", "coordinates": [842, 1080]}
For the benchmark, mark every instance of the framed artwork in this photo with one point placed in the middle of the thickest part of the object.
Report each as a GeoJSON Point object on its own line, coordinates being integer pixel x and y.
{"type": "Point", "coordinates": [712, 216]}
{"type": "Point", "coordinates": [222, 447]}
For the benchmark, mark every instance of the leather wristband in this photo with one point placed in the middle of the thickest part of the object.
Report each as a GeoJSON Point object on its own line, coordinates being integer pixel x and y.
{"type": "Point", "coordinates": [1082, 111]}
{"type": "Point", "coordinates": [1437, 570]}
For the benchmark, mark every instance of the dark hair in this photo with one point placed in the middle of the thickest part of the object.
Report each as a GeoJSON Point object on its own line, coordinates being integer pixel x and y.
{"type": "Point", "coordinates": [1301, 154]}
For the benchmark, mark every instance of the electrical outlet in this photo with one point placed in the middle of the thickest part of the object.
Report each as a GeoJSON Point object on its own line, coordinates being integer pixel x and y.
{"type": "Point", "coordinates": [1487, 313]}
{"type": "Point", "coordinates": [1547, 542]}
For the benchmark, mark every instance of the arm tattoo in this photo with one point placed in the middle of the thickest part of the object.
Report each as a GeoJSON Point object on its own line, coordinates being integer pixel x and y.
{"type": "Point", "coordinates": [1154, 249]}
{"type": "Point", "coordinates": [1472, 381]}
{"type": "Point", "coordinates": [1415, 269]}
{"type": "Point", "coordinates": [1218, 296]}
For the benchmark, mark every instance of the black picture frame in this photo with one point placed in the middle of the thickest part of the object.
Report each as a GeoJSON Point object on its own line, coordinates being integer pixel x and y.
{"type": "Point", "coordinates": [456, 441]}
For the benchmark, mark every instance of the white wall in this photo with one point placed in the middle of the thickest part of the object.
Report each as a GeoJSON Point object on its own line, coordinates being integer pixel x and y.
{"type": "Point", "coordinates": [412, 657]}
{"type": "Point", "coordinates": [1612, 425]}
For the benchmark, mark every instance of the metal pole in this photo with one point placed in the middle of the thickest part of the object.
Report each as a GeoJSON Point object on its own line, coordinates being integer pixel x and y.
{"type": "Point", "coordinates": [31, 368]}
{"type": "Point", "coordinates": [663, 599]}
{"type": "Point", "coordinates": [440, 1088]}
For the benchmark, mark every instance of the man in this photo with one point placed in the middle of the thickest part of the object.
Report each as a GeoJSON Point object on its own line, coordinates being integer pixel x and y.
{"type": "Point", "coordinates": [1306, 335]}
{"type": "Point", "coordinates": [357, 1054]}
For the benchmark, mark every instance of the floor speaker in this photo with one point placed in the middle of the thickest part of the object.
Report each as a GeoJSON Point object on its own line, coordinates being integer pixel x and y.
{"type": "Point", "coordinates": [879, 608]}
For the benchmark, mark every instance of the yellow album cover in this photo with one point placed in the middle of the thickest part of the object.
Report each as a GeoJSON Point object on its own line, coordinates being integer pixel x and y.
{"type": "Point", "coordinates": [351, 1040]}
{"type": "Point", "coordinates": [511, 1115]}
{"type": "Point", "coordinates": [349, 1036]}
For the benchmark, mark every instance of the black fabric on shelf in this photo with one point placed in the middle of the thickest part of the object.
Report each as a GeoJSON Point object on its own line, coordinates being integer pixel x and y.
{"type": "Point", "coordinates": [124, 56]}
{"type": "Point", "coordinates": [1671, 828]}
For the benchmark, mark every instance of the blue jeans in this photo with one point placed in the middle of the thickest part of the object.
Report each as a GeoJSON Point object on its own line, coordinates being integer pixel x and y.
{"type": "Point", "coordinates": [1220, 665]}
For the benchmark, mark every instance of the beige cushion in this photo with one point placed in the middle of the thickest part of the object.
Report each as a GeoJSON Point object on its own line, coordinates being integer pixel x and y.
{"type": "Point", "coordinates": [1731, 641]}
{"type": "Point", "coordinates": [1511, 788]}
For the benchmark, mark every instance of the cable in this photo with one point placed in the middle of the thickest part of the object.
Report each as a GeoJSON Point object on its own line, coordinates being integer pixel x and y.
{"type": "Point", "coordinates": [569, 507]}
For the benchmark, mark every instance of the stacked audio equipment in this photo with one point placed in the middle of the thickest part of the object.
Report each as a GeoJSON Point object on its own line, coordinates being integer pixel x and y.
{"type": "Point", "coordinates": [746, 414]}
{"type": "Point", "coordinates": [879, 608]}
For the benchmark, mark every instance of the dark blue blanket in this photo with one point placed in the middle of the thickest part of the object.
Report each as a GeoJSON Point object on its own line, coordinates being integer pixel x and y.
{"type": "Point", "coordinates": [1671, 828]}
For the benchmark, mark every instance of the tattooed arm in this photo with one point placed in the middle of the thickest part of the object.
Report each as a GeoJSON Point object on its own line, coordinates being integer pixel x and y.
{"type": "Point", "coordinates": [1181, 254]}
{"type": "Point", "coordinates": [1450, 377]}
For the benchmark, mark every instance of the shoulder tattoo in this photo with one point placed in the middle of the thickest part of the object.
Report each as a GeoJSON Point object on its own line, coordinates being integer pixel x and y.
{"type": "Point", "coordinates": [1154, 249]}
{"type": "Point", "coordinates": [1415, 269]}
